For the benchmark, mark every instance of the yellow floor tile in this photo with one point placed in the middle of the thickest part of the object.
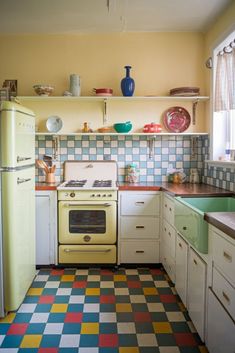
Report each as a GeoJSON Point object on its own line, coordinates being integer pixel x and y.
{"type": "Point", "coordinates": [35, 291]}
{"type": "Point", "coordinates": [123, 308]}
{"type": "Point", "coordinates": [8, 319]}
{"type": "Point", "coordinates": [90, 328]}
{"type": "Point", "coordinates": [162, 327]}
{"type": "Point", "coordinates": [92, 291]}
{"type": "Point", "coordinates": [31, 341]}
{"type": "Point", "coordinates": [128, 350]}
{"type": "Point", "coordinates": [67, 278]}
{"type": "Point", "coordinates": [59, 308]}
{"type": "Point", "coordinates": [150, 291]}
{"type": "Point", "coordinates": [119, 278]}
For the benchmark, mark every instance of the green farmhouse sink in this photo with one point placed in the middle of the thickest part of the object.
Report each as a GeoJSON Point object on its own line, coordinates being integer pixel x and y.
{"type": "Point", "coordinates": [189, 217]}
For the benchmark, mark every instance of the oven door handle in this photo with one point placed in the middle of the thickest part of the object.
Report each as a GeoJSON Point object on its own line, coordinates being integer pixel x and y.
{"type": "Point", "coordinates": [88, 204]}
{"type": "Point", "coordinates": [87, 250]}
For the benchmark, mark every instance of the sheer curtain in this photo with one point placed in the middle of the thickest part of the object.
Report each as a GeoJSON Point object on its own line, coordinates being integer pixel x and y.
{"type": "Point", "coordinates": [224, 102]}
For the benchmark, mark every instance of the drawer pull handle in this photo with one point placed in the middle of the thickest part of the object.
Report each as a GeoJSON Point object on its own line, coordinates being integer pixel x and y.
{"type": "Point", "coordinates": [165, 229]}
{"type": "Point", "coordinates": [227, 257]}
{"type": "Point", "coordinates": [139, 203]}
{"type": "Point", "coordinates": [195, 261]}
{"type": "Point", "coordinates": [180, 245]}
{"type": "Point", "coordinates": [139, 227]}
{"type": "Point", "coordinates": [170, 209]}
{"type": "Point", "coordinates": [87, 250]}
{"type": "Point", "coordinates": [184, 228]}
{"type": "Point", "coordinates": [226, 297]}
{"type": "Point", "coordinates": [169, 233]}
{"type": "Point", "coordinates": [139, 251]}
{"type": "Point", "coordinates": [165, 205]}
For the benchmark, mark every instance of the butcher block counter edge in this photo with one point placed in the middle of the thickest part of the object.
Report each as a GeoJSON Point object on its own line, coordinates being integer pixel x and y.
{"type": "Point", "coordinates": [46, 186]}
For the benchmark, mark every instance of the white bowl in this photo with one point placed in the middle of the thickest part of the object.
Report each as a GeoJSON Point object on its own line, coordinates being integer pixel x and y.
{"type": "Point", "coordinates": [43, 90]}
{"type": "Point", "coordinates": [54, 124]}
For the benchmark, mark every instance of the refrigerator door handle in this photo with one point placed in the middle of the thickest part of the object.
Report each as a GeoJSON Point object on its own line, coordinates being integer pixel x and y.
{"type": "Point", "coordinates": [21, 159]}
{"type": "Point", "coordinates": [20, 181]}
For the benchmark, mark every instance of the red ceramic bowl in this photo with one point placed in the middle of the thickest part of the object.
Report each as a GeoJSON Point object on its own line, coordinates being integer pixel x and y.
{"type": "Point", "coordinates": [103, 91]}
{"type": "Point", "coordinates": [152, 127]}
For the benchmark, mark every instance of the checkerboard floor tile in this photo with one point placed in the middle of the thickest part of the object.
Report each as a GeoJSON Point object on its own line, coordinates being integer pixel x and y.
{"type": "Point", "coordinates": [100, 311]}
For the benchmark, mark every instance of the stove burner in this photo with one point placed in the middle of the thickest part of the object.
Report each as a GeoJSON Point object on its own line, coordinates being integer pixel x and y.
{"type": "Point", "coordinates": [75, 183]}
{"type": "Point", "coordinates": [102, 183]}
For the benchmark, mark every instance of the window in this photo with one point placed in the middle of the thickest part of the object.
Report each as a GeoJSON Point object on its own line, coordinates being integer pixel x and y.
{"type": "Point", "coordinates": [224, 100]}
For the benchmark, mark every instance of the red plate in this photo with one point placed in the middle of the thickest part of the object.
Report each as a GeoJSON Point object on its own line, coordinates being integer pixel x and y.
{"type": "Point", "coordinates": [176, 119]}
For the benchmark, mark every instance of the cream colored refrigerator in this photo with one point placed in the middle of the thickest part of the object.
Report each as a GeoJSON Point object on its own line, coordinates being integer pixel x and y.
{"type": "Point", "coordinates": [17, 231]}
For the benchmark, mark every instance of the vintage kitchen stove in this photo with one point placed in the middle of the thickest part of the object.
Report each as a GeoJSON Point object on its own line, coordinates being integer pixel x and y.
{"type": "Point", "coordinates": [87, 203]}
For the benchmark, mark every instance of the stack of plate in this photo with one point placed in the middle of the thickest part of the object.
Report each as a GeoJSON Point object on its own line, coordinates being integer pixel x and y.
{"type": "Point", "coordinates": [185, 91]}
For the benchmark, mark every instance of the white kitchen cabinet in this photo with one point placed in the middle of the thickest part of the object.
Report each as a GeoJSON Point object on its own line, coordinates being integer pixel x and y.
{"type": "Point", "coordinates": [181, 268]}
{"type": "Point", "coordinates": [168, 236]}
{"type": "Point", "coordinates": [220, 328]}
{"type": "Point", "coordinates": [197, 291]}
{"type": "Point", "coordinates": [138, 227]}
{"type": "Point", "coordinates": [221, 299]}
{"type": "Point", "coordinates": [46, 227]}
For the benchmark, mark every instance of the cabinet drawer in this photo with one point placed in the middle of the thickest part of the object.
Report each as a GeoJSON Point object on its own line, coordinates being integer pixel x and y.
{"type": "Point", "coordinates": [169, 238]}
{"type": "Point", "coordinates": [168, 209]}
{"type": "Point", "coordinates": [223, 253]}
{"type": "Point", "coordinates": [87, 254]}
{"type": "Point", "coordinates": [139, 227]}
{"type": "Point", "coordinates": [139, 204]}
{"type": "Point", "coordinates": [139, 252]}
{"type": "Point", "coordinates": [224, 291]}
{"type": "Point", "coordinates": [220, 327]}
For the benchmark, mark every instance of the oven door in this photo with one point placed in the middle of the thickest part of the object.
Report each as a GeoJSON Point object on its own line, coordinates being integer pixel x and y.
{"type": "Point", "coordinates": [85, 222]}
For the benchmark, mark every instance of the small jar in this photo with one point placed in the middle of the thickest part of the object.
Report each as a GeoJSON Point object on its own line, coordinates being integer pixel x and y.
{"type": "Point", "coordinates": [132, 173]}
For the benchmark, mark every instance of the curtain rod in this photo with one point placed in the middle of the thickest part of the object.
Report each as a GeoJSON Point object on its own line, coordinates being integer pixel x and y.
{"type": "Point", "coordinates": [227, 49]}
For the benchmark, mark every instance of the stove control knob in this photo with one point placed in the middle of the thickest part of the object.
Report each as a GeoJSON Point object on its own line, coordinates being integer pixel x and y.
{"type": "Point", "coordinates": [66, 194]}
{"type": "Point", "coordinates": [72, 194]}
{"type": "Point", "coordinates": [110, 195]}
{"type": "Point", "coordinates": [98, 195]}
{"type": "Point", "coordinates": [92, 195]}
{"type": "Point", "coordinates": [104, 195]}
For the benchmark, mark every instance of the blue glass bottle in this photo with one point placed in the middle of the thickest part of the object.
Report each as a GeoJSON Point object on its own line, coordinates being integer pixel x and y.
{"type": "Point", "coordinates": [127, 84]}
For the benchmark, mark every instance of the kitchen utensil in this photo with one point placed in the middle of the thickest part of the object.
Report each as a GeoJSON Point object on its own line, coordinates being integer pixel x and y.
{"type": "Point", "coordinates": [123, 127]}
{"type": "Point", "coordinates": [176, 119]}
{"type": "Point", "coordinates": [185, 91]}
{"type": "Point", "coordinates": [41, 164]}
{"type": "Point", "coordinates": [43, 90]}
{"type": "Point", "coordinates": [54, 124]}
{"type": "Point", "coordinates": [48, 160]}
{"type": "Point", "coordinates": [153, 127]}
{"type": "Point", "coordinates": [103, 91]}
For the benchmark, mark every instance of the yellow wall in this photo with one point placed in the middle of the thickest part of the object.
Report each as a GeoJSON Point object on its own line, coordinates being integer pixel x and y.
{"type": "Point", "coordinates": [160, 62]}
{"type": "Point", "coordinates": [220, 28]}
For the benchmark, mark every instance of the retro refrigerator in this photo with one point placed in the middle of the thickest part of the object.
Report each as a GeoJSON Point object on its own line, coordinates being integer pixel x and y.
{"type": "Point", "coordinates": [17, 204]}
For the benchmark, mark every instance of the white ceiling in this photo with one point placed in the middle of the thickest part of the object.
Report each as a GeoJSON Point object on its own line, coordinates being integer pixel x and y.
{"type": "Point", "coordinates": [74, 16]}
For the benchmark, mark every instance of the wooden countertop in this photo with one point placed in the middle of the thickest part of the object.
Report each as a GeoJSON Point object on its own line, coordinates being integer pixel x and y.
{"type": "Point", "coordinates": [42, 186]}
{"type": "Point", "coordinates": [185, 189]}
{"type": "Point", "coordinates": [225, 221]}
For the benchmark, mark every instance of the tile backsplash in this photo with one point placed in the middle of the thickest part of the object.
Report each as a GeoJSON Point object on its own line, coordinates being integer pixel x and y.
{"type": "Point", "coordinates": [181, 152]}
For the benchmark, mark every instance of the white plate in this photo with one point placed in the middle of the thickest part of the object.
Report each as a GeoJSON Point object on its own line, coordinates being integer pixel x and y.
{"type": "Point", "coordinates": [54, 124]}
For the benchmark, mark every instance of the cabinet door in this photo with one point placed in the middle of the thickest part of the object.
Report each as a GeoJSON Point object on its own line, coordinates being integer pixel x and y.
{"type": "Point", "coordinates": [42, 230]}
{"type": "Point", "coordinates": [220, 329]}
{"type": "Point", "coordinates": [181, 268]}
{"type": "Point", "coordinates": [196, 291]}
